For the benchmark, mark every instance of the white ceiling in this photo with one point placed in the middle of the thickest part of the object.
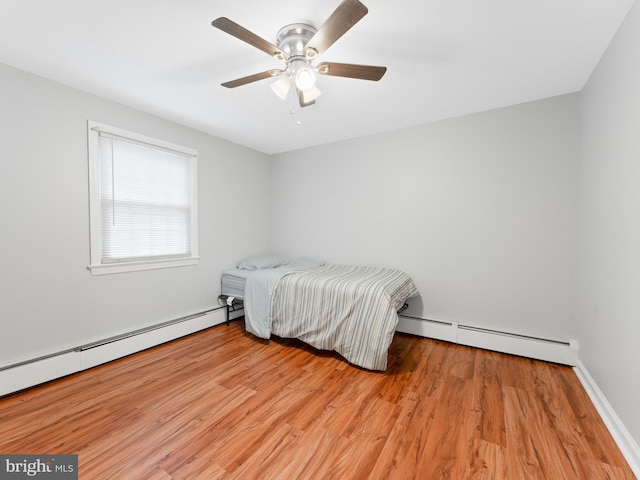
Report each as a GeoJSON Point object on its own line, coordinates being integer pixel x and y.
{"type": "Point", "coordinates": [445, 58]}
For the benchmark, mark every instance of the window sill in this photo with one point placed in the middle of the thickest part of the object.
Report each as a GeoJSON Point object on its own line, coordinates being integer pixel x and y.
{"type": "Point", "coordinates": [109, 268]}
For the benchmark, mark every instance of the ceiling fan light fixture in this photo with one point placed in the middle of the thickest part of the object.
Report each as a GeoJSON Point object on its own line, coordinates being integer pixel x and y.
{"type": "Point", "coordinates": [282, 86]}
{"type": "Point", "coordinates": [305, 78]}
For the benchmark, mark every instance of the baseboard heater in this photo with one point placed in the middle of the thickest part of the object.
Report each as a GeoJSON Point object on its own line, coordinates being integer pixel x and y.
{"type": "Point", "coordinates": [140, 331]}
{"type": "Point", "coordinates": [512, 335]}
{"type": "Point", "coordinates": [44, 368]}
{"type": "Point", "coordinates": [557, 351]}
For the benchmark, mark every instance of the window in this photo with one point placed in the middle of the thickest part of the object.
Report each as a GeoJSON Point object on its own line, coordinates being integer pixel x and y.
{"type": "Point", "coordinates": [142, 202]}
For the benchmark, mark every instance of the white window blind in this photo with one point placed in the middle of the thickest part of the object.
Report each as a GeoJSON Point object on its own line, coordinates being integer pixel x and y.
{"type": "Point", "coordinates": [146, 200]}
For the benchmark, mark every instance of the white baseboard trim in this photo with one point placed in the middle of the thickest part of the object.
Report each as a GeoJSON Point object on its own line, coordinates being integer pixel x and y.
{"type": "Point", "coordinates": [619, 432]}
{"type": "Point", "coordinates": [30, 373]}
{"type": "Point", "coordinates": [565, 353]}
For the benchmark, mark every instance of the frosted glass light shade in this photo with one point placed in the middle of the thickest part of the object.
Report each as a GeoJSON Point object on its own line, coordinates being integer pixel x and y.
{"type": "Point", "coordinates": [282, 86]}
{"type": "Point", "coordinates": [310, 94]}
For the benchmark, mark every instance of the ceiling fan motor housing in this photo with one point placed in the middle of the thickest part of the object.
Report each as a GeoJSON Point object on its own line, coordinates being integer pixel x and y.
{"type": "Point", "coordinates": [292, 38]}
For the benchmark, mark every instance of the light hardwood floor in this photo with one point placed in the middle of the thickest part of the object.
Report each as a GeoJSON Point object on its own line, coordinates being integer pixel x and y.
{"type": "Point", "coordinates": [221, 404]}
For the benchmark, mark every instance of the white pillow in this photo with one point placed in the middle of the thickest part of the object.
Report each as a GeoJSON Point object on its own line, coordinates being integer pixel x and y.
{"type": "Point", "coordinates": [260, 262]}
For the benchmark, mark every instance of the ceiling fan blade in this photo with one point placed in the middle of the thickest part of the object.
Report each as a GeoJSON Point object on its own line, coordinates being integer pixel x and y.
{"type": "Point", "coordinates": [232, 28]}
{"type": "Point", "coordinates": [362, 72]}
{"type": "Point", "coordinates": [252, 78]}
{"type": "Point", "coordinates": [348, 13]}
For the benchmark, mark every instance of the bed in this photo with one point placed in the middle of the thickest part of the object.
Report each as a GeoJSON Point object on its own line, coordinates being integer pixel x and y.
{"type": "Point", "coordinates": [352, 310]}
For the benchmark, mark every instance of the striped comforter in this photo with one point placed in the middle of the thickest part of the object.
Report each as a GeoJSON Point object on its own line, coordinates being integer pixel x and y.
{"type": "Point", "coordinates": [351, 310]}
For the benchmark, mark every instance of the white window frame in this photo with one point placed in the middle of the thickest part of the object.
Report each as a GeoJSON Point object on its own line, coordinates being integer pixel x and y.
{"type": "Point", "coordinates": [97, 266]}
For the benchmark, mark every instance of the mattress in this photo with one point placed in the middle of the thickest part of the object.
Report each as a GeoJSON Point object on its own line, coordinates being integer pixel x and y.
{"type": "Point", "coordinates": [233, 282]}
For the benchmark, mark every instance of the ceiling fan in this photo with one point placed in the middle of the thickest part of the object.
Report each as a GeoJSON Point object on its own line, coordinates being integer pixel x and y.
{"type": "Point", "coordinates": [298, 45]}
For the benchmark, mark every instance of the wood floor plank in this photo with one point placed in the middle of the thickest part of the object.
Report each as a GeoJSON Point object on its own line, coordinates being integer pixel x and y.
{"type": "Point", "coordinates": [406, 443]}
{"type": "Point", "coordinates": [488, 399]}
{"type": "Point", "coordinates": [487, 462]}
{"type": "Point", "coordinates": [221, 404]}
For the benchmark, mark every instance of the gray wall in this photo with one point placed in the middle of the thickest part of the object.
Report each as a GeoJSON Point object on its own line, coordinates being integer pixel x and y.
{"type": "Point", "coordinates": [50, 300]}
{"type": "Point", "coordinates": [609, 294]}
{"type": "Point", "coordinates": [480, 210]}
